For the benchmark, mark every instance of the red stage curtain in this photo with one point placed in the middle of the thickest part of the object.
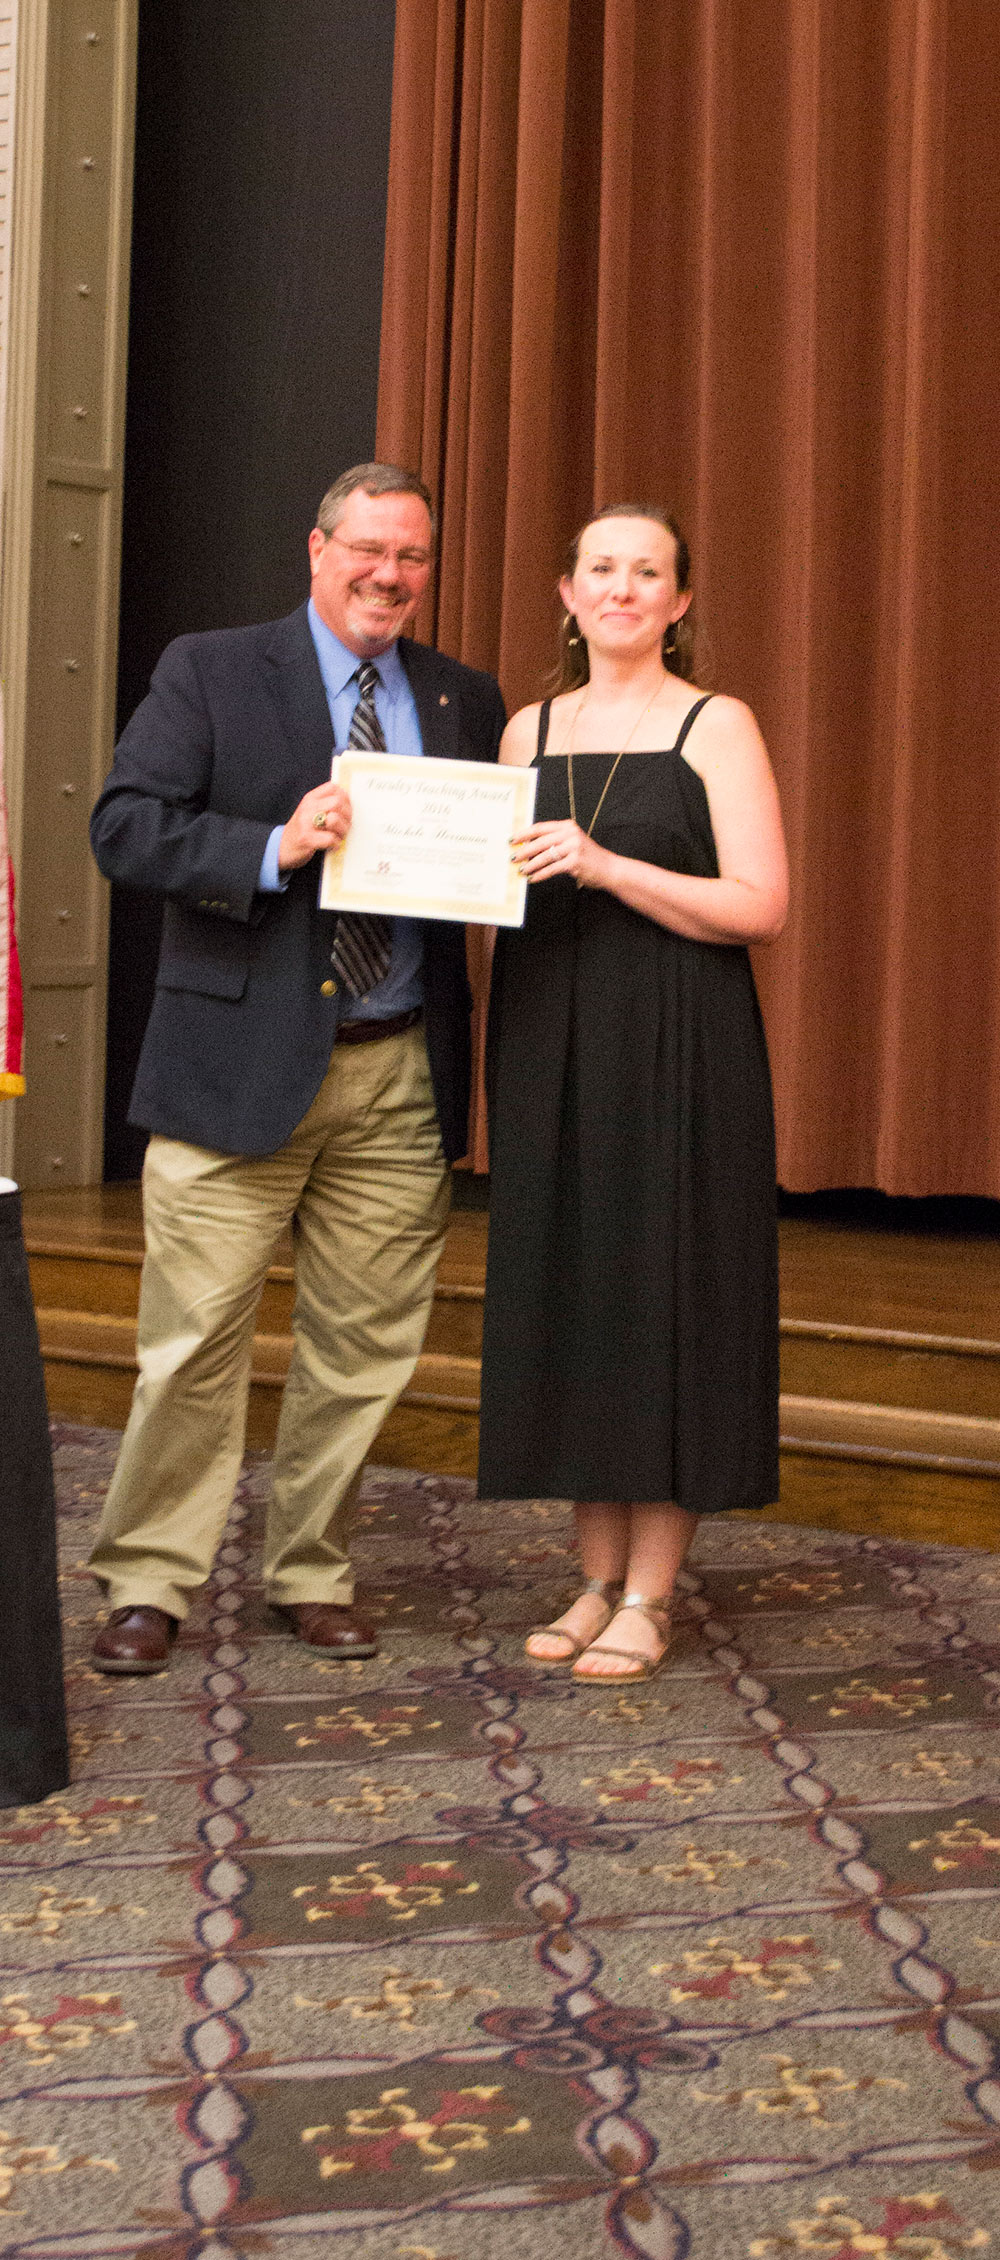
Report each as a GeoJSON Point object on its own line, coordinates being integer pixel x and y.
{"type": "Point", "coordinates": [742, 256]}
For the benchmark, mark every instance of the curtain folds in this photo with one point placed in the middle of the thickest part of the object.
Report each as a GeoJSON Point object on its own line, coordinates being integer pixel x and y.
{"type": "Point", "coordinates": [745, 258]}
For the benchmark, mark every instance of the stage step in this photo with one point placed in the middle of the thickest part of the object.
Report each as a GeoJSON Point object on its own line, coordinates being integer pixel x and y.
{"type": "Point", "coordinates": [931, 1372]}
{"type": "Point", "coordinates": [895, 1395]}
{"type": "Point", "coordinates": [890, 1367]}
{"type": "Point", "coordinates": [87, 1299]}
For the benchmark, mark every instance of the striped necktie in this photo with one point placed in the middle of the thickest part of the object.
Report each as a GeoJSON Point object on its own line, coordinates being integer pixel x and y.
{"type": "Point", "coordinates": [362, 944]}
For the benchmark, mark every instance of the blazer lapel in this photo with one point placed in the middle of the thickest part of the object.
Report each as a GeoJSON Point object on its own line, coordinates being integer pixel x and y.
{"type": "Point", "coordinates": [291, 670]}
{"type": "Point", "coordinates": [437, 706]}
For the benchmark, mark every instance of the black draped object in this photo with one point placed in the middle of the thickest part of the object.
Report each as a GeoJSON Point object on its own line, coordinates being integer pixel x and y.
{"type": "Point", "coordinates": [34, 1756]}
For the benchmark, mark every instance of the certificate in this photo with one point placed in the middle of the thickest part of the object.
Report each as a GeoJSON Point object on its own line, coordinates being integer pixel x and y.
{"type": "Point", "coordinates": [429, 838]}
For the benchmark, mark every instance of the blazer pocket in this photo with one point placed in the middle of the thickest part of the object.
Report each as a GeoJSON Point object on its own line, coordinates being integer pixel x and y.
{"type": "Point", "coordinates": [206, 955]}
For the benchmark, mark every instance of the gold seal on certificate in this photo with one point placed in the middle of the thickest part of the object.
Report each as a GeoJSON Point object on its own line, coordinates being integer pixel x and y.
{"type": "Point", "coordinates": [429, 838]}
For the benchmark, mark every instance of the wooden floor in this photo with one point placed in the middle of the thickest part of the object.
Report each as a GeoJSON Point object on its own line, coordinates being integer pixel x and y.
{"type": "Point", "coordinates": [890, 1359]}
{"type": "Point", "coordinates": [925, 1282]}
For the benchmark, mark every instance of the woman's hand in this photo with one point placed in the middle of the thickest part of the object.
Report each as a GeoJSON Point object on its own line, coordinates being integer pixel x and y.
{"type": "Point", "coordinates": [550, 851]}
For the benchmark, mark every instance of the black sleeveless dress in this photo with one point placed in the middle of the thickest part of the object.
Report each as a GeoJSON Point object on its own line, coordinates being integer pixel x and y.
{"type": "Point", "coordinates": [630, 1347]}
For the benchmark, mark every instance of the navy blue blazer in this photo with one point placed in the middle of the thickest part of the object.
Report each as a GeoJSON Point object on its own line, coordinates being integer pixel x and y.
{"type": "Point", "coordinates": [234, 729]}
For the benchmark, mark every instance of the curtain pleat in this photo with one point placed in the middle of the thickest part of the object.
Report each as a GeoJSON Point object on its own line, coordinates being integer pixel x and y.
{"type": "Point", "coordinates": [745, 259]}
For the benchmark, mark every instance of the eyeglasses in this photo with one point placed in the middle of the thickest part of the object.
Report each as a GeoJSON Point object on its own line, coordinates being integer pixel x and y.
{"type": "Point", "coordinates": [383, 553]}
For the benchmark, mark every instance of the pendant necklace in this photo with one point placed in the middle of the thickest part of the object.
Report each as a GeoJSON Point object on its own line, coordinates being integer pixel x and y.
{"type": "Point", "coordinates": [569, 758]}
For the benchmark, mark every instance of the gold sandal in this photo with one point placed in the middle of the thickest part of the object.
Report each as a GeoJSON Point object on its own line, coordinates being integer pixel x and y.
{"type": "Point", "coordinates": [607, 1589]}
{"type": "Point", "coordinates": [657, 1614]}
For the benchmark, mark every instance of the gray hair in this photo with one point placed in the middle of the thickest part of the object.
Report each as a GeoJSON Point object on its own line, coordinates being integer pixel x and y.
{"type": "Point", "coordinates": [372, 478]}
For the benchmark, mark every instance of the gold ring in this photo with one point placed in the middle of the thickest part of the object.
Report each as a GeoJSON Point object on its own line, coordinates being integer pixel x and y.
{"type": "Point", "coordinates": [319, 822]}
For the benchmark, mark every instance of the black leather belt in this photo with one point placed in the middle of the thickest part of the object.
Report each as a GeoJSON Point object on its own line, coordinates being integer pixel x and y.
{"type": "Point", "coordinates": [373, 1031]}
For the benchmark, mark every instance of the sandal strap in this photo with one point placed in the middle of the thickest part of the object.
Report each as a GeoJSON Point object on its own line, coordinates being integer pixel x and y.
{"type": "Point", "coordinates": [574, 1647]}
{"type": "Point", "coordinates": [606, 1591]}
{"type": "Point", "coordinates": [657, 1616]}
{"type": "Point", "coordinates": [628, 1656]}
{"type": "Point", "coordinates": [656, 1613]}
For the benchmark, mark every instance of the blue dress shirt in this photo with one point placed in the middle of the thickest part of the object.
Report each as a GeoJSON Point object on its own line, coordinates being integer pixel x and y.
{"type": "Point", "coordinates": [402, 988]}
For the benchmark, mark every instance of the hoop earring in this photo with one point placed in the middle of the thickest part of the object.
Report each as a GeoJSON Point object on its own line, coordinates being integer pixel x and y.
{"type": "Point", "coordinates": [570, 622]}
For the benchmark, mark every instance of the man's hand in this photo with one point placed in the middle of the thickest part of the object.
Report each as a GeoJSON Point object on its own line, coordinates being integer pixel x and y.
{"type": "Point", "coordinates": [321, 820]}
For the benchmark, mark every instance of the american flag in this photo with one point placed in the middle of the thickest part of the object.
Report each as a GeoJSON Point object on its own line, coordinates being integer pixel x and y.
{"type": "Point", "coordinates": [11, 1011]}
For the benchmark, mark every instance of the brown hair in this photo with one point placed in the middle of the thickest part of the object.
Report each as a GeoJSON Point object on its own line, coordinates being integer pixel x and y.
{"type": "Point", "coordinates": [373, 478]}
{"type": "Point", "coordinates": [573, 667]}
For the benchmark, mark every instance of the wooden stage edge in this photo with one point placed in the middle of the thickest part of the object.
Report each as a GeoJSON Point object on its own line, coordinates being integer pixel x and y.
{"type": "Point", "coordinates": [890, 1405]}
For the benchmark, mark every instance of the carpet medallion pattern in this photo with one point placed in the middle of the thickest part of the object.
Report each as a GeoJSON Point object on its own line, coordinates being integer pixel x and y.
{"type": "Point", "coordinates": [449, 1957]}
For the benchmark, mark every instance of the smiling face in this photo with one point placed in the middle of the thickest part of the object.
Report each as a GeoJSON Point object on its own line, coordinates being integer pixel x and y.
{"type": "Point", "coordinates": [369, 574]}
{"type": "Point", "coordinates": [623, 589]}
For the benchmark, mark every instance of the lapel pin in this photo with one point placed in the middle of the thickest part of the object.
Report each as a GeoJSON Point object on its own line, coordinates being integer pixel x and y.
{"type": "Point", "coordinates": [443, 700]}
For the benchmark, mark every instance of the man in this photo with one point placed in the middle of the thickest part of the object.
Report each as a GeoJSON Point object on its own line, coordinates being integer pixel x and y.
{"type": "Point", "coordinates": [298, 1069]}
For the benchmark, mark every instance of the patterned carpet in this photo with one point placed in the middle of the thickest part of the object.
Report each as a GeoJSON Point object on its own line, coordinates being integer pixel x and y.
{"type": "Point", "coordinates": [447, 1958]}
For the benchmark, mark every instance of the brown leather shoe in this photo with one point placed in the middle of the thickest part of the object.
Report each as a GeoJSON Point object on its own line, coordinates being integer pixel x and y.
{"type": "Point", "coordinates": [330, 1627]}
{"type": "Point", "coordinates": [137, 1639]}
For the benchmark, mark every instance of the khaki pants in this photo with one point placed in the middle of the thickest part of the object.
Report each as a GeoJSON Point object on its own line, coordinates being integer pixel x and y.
{"type": "Point", "coordinates": [364, 1186]}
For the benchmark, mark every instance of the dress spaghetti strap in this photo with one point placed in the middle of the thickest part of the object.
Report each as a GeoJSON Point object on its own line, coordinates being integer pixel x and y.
{"type": "Point", "coordinates": [691, 717]}
{"type": "Point", "coordinates": [545, 711]}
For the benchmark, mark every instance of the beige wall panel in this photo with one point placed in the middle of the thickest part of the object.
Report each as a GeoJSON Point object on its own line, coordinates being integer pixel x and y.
{"type": "Point", "coordinates": [64, 1062]}
{"type": "Point", "coordinates": [7, 93]}
{"type": "Point", "coordinates": [6, 135]}
{"type": "Point", "coordinates": [63, 918]}
{"type": "Point", "coordinates": [82, 233]}
{"type": "Point", "coordinates": [64, 448]}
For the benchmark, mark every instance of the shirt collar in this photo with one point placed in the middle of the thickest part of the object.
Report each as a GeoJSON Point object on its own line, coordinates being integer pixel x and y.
{"type": "Point", "coordinates": [337, 664]}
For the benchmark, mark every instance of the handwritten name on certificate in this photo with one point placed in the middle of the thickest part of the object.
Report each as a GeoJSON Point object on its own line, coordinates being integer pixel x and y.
{"type": "Point", "coordinates": [430, 839]}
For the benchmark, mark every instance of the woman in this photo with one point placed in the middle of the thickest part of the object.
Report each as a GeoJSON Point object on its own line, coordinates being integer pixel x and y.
{"type": "Point", "coordinates": [630, 1338]}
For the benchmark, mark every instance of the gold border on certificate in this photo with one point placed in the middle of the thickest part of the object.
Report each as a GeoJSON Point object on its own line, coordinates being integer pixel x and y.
{"type": "Point", "coordinates": [430, 838]}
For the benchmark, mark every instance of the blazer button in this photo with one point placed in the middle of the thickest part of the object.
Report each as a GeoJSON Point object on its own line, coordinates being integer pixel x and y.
{"type": "Point", "coordinates": [328, 988]}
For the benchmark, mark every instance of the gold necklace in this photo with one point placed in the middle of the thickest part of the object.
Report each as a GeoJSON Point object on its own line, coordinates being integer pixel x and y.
{"type": "Point", "coordinates": [569, 756]}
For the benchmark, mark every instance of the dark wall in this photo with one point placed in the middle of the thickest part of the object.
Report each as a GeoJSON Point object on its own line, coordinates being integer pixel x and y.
{"type": "Point", "coordinates": [262, 152]}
